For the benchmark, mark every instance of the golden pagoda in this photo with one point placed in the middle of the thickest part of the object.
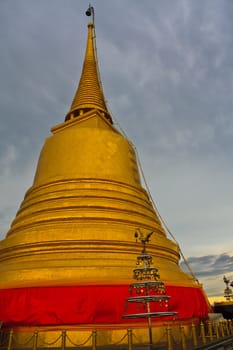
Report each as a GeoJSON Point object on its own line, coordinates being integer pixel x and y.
{"type": "Point", "coordinates": [69, 254]}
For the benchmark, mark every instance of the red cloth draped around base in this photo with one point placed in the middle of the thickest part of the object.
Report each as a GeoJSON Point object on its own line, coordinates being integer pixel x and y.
{"type": "Point", "coordinates": [90, 304]}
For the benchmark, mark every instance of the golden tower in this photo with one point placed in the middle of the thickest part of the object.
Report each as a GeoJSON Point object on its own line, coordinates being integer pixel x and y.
{"type": "Point", "coordinates": [70, 251]}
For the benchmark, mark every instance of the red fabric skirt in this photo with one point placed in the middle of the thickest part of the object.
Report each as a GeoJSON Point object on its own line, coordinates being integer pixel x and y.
{"type": "Point", "coordinates": [90, 304]}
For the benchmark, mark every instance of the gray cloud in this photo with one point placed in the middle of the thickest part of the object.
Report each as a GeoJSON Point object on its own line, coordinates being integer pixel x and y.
{"type": "Point", "coordinates": [211, 265]}
{"type": "Point", "coordinates": [210, 270]}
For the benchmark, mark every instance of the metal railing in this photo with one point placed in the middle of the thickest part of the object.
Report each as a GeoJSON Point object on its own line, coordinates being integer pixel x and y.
{"type": "Point", "coordinates": [223, 344]}
{"type": "Point", "coordinates": [216, 335]}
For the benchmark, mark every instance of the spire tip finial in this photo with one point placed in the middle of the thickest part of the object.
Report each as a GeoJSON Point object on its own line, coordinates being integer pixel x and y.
{"type": "Point", "coordinates": [90, 12]}
{"type": "Point", "coordinates": [89, 94]}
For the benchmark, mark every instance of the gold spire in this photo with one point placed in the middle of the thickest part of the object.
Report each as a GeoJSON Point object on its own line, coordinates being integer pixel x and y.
{"type": "Point", "coordinates": [89, 94]}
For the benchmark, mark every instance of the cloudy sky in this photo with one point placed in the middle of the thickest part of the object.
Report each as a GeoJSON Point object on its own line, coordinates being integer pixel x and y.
{"type": "Point", "coordinates": [167, 72]}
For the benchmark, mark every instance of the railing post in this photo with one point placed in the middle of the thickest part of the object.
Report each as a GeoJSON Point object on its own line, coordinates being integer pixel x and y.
{"type": "Point", "coordinates": [169, 338]}
{"type": "Point", "coordinates": [130, 339]}
{"type": "Point", "coordinates": [63, 340]}
{"type": "Point", "coordinates": [94, 339]}
{"type": "Point", "coordinates": [203, 338]}
{"type": "Point", "coordinates": [182, 335]}
{"type": "Point", "coordinates": [227, 328]}
{"type": "Point", "coordinates": [230, 326]}
{"type": "Point", "coordinates": [221, 329]}
{"type": "Point", "coordinates": [35, 340]}
{"type": "Point", "coordinates": [216, 329]}
{"type": "Point", "coordinates": [10, 339]}
{"type": "Point", "coordinates": [210, 331]}
{"type": "Point", "coordinates": [194, 334]}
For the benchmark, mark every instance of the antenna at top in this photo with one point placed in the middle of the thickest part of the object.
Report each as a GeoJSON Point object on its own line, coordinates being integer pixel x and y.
{"type": "Point", "coordinates": [90, 12]}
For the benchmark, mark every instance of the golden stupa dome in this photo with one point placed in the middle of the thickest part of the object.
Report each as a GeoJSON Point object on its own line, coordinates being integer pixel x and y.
{"type": "Point", "coordinates": [76, 224]}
